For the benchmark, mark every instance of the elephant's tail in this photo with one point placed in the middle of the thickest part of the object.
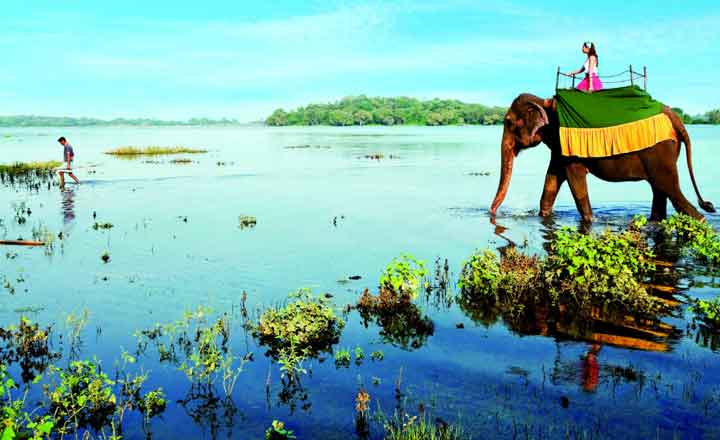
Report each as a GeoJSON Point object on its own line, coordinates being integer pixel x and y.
{"type": "Point", "coordinates": [685, 138]}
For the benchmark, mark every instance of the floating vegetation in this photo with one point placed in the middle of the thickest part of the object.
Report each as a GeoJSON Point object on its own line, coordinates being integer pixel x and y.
{"type": "Point", "coordinates": [698, 238]}
{"type": "Point", "coordinates": [105, 257]}
{"type": "Point", "coordinates": [277, 431]}
{"type": "Point", "coordinates": [477, 174]}
{"type": "Point", "coordinates": [181, 161]}
{"type": "Point", "coordinates": [304, 328]}
{"type": "Point", "coordinates": [28, 174]}
{"type": "Point", "coordinates": [132, 151]}
{"type": "Point", "coordinates": [247, 221]}
{"type": "Point", "coordinates": [99, 226]}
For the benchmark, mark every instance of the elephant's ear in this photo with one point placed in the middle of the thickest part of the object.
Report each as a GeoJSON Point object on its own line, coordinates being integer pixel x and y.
{"type": "Point", "coordinates": [542, 119]}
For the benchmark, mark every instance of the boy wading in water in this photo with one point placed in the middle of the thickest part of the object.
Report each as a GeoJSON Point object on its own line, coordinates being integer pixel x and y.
{"type": "Point", "coordinates": [68, 157]}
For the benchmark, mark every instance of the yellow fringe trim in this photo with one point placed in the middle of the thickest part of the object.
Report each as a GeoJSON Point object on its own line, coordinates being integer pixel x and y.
{"type": "Point", "coordinates": [618, 139]}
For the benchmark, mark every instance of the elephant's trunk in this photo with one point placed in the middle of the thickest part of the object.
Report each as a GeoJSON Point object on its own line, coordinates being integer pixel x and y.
{"type": "Point", "coordinates": [507, 152]}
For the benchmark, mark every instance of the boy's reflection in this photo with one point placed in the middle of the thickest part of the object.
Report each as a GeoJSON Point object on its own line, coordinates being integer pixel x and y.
{"type": "Point", "coordinates": [68, 204]}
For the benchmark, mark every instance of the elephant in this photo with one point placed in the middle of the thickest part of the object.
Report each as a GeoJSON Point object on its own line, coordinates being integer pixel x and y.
{"type": "Point", "coordinates": [531, 120]}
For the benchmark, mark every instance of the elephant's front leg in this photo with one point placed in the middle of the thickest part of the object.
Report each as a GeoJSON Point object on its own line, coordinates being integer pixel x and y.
{"type": "Point", "coordinates": [554, 179]}
{"type": "Point", "coordinates": [577, 179]}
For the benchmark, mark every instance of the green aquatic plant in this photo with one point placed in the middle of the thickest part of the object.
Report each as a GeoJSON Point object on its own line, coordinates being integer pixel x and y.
{"type": "Point", "coordinates": [420, 428]}
{"type": "Point", "coordinates": [698, 237]}
{"type": "Point", "coordinates": [16, 422]}
{"type": "Point", "coordinates": [277, 431]}
{"type": "Point", "coordinates": [359, 355]}
{"type": "Point", "coordinates": [481, 274]}
{"type": "Point", "coordinates": [602, 270]}
{"type": "Point", "coordinates": [199, 346]}
{"type": "Point", "coordinates": [83, 396]}
{"type": "Point", "coordinates": [27, 344]}
{"type": "Point", "coordinates": [708, 311]}
{"type": "Point", "coordinates": [303, 328]}
{"type": "Point", "coordinates": [342, 358]}
{"type": "Point", "coordinates": [404, 275]}
{"type": "Point", "coordinates": [377, 355]}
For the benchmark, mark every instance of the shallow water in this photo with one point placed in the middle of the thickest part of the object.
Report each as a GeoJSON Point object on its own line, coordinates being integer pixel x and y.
{"type": "Point", "coordinates": [176, 244]}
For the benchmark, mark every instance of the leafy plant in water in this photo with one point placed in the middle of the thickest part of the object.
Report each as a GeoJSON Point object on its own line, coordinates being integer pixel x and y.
{"type": "Point", "coordinates": [28, 345]}
{"type": "Point", "coordinates": [342, 358]}
{"type": "Point", "coordinates": [15, 420]}
{"type": "Point", "coordinates": [359, 355]}
{"type": "Point", "coordinates": [600, 270]}
{"type": "Point", "coordinates": [404, 275]}
{"type": "Point", "coordinates": [199, 346]}
{"type": "Point", "coordinates": [277, 431]}
{"type": "Point", "coordinates": [302, 329]}
{"type": "Point", "coordinates": [708, 311]}
{"type": "Point", "coordinates": [481, 274]}
{"type": "Point", "coordinates": [84, 397]}
{"type": "Point", "coordinates": [700, 239]}
{"type": "Point", "coordinates": [403, 323]}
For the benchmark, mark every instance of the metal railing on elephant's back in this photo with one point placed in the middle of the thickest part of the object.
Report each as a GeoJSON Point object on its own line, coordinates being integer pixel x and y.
{"type": "Point", "coordinates": [627, 77]}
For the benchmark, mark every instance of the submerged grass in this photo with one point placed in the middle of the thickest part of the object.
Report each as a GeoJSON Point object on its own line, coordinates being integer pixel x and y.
{"type": "Point", "coordinates": [132, 151]}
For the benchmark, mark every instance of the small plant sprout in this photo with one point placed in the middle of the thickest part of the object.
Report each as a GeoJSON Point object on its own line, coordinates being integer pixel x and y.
{"type": "Point", "coordinates": [359, 355]}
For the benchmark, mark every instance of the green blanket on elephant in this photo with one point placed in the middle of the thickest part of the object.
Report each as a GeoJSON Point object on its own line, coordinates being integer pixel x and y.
{"type": "Point", "coordinates": [610, 122]}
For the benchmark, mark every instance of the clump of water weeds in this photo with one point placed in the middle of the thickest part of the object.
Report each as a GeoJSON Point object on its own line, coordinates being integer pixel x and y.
{"type": "Point", "coordinates": [83, 396]}
{"type": "Point", "coordinates": [303, 328]}
{"type": "Point", "coordinates": [708, 311]}
{"type": "Point", "coordinates": [698, 239]}
{"type": "Point", "coordinates": [421, 428]}
{"type": "Point", "coordinates": [588, 274]}
{"type": "Point", "coordinates": [31, 175]}
{"type": "Point", "coordinates": [277, 431]}
{"type": "Point", "coordinates": [402, 322]}
{"type": "Point", "coordinates": [28, 345]}
{"type": "Point", "coordinates": [247, 221]}
{"type": "Point", "coordinates": [198, 345]}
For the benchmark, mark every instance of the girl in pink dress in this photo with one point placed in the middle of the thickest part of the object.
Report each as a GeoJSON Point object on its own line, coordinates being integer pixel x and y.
{"type": "Point", "coordinates": [591, 82]}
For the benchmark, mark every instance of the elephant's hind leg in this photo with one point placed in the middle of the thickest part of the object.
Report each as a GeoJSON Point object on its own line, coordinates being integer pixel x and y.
{"type": "Point", "coordinates": [665, 180]}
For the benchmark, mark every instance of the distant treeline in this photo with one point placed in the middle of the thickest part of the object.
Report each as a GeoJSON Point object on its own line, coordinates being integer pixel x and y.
{"type": "Point", "coordinates": [64, 121]}
{"type": "Point", "coordinates": [711, 117]}
{"type": "Point", "coordinates": [361, 110]}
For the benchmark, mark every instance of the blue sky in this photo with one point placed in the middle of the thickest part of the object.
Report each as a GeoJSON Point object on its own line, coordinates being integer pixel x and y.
{"type": "Point", "coordinates": [215, 58]}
